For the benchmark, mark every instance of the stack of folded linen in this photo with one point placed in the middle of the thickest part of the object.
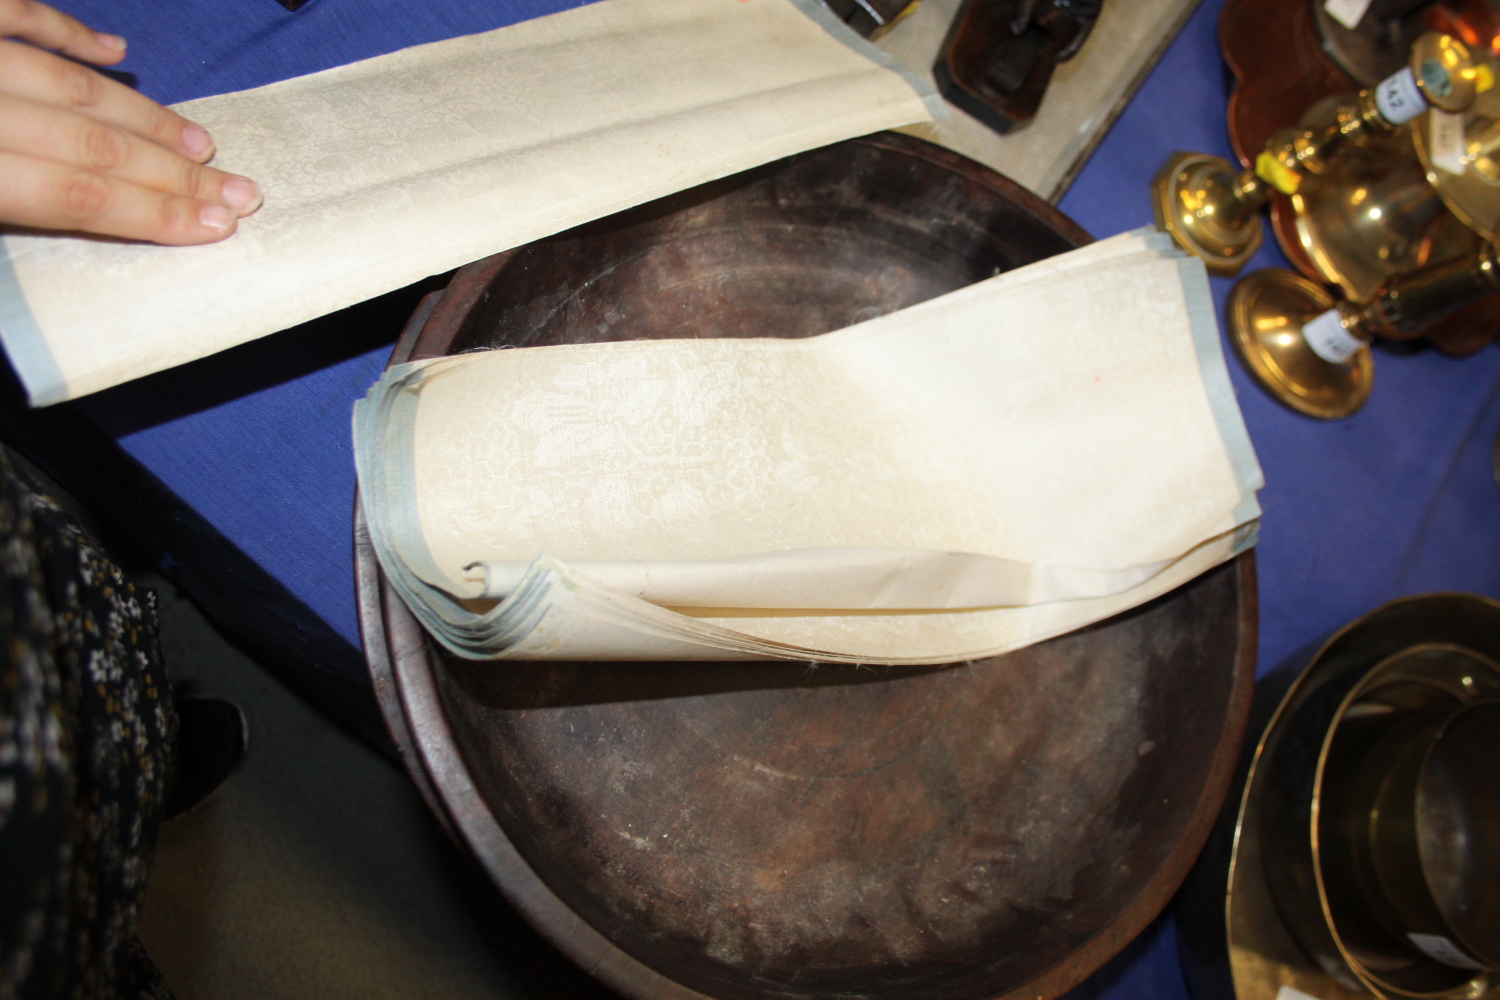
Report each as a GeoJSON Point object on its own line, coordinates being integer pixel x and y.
{"type": "Point", "coordinates": [984, 470]}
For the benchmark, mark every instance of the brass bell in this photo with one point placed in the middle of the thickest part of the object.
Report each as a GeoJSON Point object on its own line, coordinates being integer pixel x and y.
{"type": "Point", "coordinates": [1312, 353]}
{"type": "Point", "coordinates": [1211, 210]}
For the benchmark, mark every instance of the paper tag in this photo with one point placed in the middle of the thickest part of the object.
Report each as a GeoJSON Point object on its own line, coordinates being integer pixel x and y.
{"type": "Point", "coordinates": [1347, 13]}
{"type": "Point", "coordinates": [1399, 99]}
{"type": "Point", "coordinates": [1445, 951]}
{"type": "Point", "coordinates": [1446, 141]}
{"type": "Point", "coordinates": [1326, 335]}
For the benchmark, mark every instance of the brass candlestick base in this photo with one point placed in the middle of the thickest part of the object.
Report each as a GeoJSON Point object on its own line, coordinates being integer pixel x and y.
{"type": "Point", "coordinates": [1204, 204]}
{"type": "Point", "coordinates": [1266, 313]}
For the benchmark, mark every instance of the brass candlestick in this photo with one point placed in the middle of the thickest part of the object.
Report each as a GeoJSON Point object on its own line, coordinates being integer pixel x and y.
{"type": "Point", "coordinates": [1210, 209]}
{"type": "Point", "coordinates": [1312, 353]}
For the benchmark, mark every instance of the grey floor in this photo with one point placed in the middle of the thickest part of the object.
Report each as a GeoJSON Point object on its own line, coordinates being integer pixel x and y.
{"type": "Point", "coordinates": [316, 872]}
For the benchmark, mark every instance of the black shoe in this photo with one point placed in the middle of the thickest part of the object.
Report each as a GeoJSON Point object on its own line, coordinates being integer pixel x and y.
{"type": "Point", "coordinates": [212, 740]}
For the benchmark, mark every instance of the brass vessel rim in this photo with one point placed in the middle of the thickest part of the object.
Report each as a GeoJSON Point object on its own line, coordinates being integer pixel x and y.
{"type": "Point", "coordinates": [1479, 983]}
{"type": "Point", "coordinates": [1265, 743]}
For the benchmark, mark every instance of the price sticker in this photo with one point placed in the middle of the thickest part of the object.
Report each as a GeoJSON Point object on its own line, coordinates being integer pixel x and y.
{"type": "Point", "coordinates": [1398, 98]}
{"type": "Point", "coordinates": [1445, 135]}
{"type": "Point", "coordinates": [1347, 12]}
{"type": "Point", "coordinates": [1326, 335]}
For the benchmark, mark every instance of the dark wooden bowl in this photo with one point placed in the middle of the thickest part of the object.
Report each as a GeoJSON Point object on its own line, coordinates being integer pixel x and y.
{"type": "Point", "coordinates": [993, 828]}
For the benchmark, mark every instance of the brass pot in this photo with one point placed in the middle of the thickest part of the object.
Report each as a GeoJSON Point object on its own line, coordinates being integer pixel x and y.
{"type": "Point", "coordinates": [1421, 832]}
{"type": "Point", "coordinates": [1311, 787]}
{"type": "Point", "coordinates": [1234, 940]}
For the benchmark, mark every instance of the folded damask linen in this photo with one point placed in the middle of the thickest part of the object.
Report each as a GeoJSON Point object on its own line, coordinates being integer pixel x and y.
{"type": "Point", "coordinates": [989, 468]}
{"type": "Point", "coordinates": [382, 172]}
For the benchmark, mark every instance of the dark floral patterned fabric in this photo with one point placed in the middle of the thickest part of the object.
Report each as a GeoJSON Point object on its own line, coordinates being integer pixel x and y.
{"type": "Point", "coordinates": [86, 738]}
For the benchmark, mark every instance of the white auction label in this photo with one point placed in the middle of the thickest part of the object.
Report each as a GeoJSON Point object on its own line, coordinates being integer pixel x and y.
{"type": "Point", "coordinates": [1399, 98]}
{"type": "Point", "coordinates": [1326, 335]}
{"type": "Point", "coordinates": [1346, 12]}
{"type": "Point", "coordinates": [1445, 135]}
{"type": "Point", "coordinates": [1445, 951]}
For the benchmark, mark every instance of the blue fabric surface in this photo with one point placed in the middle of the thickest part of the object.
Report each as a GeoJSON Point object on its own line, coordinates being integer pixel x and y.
{"type": "Point", "coordinates": [270, 466]}
{"type": "Point", "coordinates": [1396, 500]}
{"type": "Point", "coordinates": [181, 49]}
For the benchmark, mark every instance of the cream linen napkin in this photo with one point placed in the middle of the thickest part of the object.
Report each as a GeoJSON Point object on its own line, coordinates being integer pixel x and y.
{"type": "Point", "coordinates": [975, 473]}
{"type": "Point", "coordinates": [384, 171]}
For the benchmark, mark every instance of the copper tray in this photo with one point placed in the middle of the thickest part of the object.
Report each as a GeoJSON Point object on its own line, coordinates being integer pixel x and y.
{"type": "Point", "coordinates": [985, 829]}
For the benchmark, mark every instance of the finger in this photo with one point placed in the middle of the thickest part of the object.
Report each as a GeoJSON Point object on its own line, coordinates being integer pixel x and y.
{"type": "Point", "coordinates": [48, 195]}
{"type": "Point", "coordinates": [50, 133]}
{"type": "Point", "coordinates": [41, 25]}
{"type": "Point", "coordinates": [43, 77]}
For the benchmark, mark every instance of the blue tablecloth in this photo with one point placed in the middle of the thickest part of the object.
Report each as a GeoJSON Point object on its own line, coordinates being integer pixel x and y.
{"type": "Point", "coordinates": [1395, 500]}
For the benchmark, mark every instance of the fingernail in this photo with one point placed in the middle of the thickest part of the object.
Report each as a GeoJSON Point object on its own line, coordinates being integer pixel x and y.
{"type": "Point", "coordinates": [216, 217]}
{"type": "Point", "coordinates": [110, 41]}
{"type": "Point", "coordinates": [241, 194]}
{"type": "Point", "coordinates": [197, 140]}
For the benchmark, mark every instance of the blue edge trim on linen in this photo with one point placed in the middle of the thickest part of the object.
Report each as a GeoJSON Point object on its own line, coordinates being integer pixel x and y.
{"type": "Point", "coordinates": [23, 341]}
{"type": "Point", "coordinates": [1221, 398]}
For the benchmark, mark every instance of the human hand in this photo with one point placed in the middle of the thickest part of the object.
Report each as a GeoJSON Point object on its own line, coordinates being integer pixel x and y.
{"type": "Point", "coordinates": [80, 152]}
